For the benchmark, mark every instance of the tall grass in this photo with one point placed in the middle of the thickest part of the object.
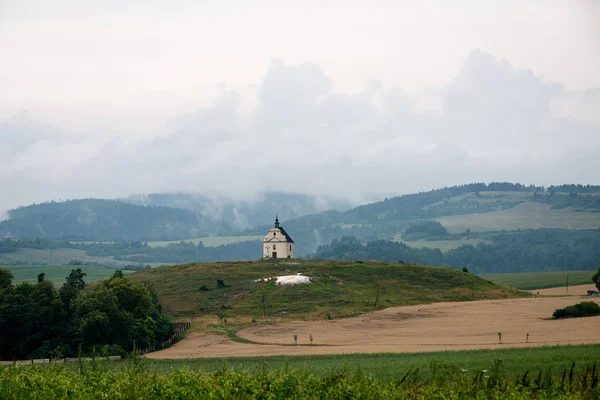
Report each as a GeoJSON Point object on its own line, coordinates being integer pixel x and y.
{"type": "Point", "coordinates": [440, 380]}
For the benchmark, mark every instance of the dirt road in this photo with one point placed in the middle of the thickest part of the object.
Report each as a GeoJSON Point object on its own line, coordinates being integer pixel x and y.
{"type": "Point", "coordinates": [431, 327]}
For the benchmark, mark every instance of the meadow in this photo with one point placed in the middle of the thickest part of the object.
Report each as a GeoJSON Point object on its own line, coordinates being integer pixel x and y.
{"type": "Point", "coordinates": [57, 273]}
{"type": "Point", "coordinates": [387, 366]}
{"type": "Point", "coordinates": [60, 256]}
{"type": "Point", "coordinates": [443, 245]}
{"type": "Point", "coordinates": [209, 241]}
{"type": "Point", "coordinates": [558, 372]}
{"type": "Point", "coordinates": [540, 280]}
{"type": "Point", "coordinates": [528, 215]}
{"type": "Point", "coordinates": [339, 288]}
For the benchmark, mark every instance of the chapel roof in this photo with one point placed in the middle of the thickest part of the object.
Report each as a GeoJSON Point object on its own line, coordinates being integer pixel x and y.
{"type": "Point", "coordinates": [283, 232]}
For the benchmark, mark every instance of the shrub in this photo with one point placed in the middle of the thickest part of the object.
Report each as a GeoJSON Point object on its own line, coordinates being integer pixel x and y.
{"type": "Point", "coordinates": [583, 309]}
{"type": "Point", "coordinates": [596, 278]}
{"type": "Point", "coordinates": [204, 288]}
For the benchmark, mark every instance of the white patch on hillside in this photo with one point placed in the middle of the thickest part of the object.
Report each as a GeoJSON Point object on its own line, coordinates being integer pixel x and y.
{"type": "Point", "coordinates": [288, 280]}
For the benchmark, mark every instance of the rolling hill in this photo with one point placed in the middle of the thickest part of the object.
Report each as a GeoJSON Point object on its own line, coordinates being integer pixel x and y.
{"type": "Point", "coordinates": [107, 220]}
{"type": "Point", "coordinates": [472, 208]}
{"type": "Point", "coordinates": [339, 288]}
{"type": "Point", "coordinates": [243, 214]}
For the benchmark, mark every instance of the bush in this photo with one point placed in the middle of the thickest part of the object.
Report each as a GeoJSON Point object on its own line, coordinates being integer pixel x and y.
{"type": "Point", "coordinates": [596, 278]}
{"type": "Point", "coordinates": [583, 309]}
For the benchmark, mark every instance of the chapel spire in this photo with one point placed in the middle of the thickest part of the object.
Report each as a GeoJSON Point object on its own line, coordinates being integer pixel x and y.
{"type": "Point", "coordinates": [276, 221]}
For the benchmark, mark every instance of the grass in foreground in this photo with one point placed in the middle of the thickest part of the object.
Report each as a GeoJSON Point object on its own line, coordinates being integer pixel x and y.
{"type": "Point", "coordinates": [339, 288]}
{"type": "Point", "coordinates": [435, 375]}
{"type": "Point", "coordinates": [57, 273]}
{"type": "Point", "coordinates": [387, 366]}
{"type": "Point", "coordinates": [540, 280]}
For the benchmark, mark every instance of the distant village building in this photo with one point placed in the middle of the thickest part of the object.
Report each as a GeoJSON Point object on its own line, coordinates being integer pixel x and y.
{"type": "Point", "coordinates": [277, 243]}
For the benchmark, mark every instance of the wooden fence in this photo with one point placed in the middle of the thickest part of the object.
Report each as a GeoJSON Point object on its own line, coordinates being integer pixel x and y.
{"type": "Point", "coordinates": [180, 328]}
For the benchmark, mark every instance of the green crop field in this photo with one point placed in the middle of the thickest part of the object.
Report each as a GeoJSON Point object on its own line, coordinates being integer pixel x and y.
{"type": "Point", "coordinates": [56, 274]}
{"type": "Point", "coordinates": [391, 365]}
{"type": "Point", "coordinates": [443, 245]}
{"type": "Point", "coordinates": [568, 372]}
{"type": "Point", "coordinates": [210, 241]}
{"type": "Point", "coordinates": [339, 288]}
{"type": "Point", "coordinates": [527, 215]}
{"type": "Point", "coordinates": [60, 256]}
{"type": "Point", "coordinates": [540, 280]}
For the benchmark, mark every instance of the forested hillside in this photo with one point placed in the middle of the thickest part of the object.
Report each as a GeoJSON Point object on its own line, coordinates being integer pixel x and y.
{"type": "Point", "coordinates": [496, 227]}
{"type": "Point", "coordinates": [106, 220]}
{"type": "Point", "coordinates": [525, 251]}
{"type": "Point", "coordinates": [245, 213]}
{"type": "Point", "coordinates": [390, 217]}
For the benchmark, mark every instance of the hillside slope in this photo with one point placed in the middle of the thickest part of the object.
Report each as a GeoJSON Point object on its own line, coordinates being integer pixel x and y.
{"type": "Point", "coordinates": [339, 288]}
{"type": "Point", "coordinates": [244, 213]}
{"type": "Point", "coordinates": [476, 207]}
{"type": "Point", "coordinates": [106, 220]}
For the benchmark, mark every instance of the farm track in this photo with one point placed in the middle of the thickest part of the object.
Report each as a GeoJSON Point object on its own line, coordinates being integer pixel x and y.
{"type": "Point", "coordinates": [422, 328]}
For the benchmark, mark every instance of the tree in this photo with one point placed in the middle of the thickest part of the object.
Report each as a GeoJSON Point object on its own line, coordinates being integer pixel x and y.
{"type": "Point", "coordinates": [596, 278]}
{"type": "Point", "coordinates": [6, 278]}
{"type": "Point", "coordinates": [73, 286]}
{"type": "Point", "coordinates": [41, 277]}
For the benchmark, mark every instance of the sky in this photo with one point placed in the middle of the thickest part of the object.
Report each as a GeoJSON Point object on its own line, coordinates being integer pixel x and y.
{"type": "Point", "coordinates": [352, 99]}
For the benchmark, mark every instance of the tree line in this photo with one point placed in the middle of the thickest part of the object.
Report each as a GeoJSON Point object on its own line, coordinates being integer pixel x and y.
{"type": "Point", "coordinates": [573, 188]}
{"type": "Point", "coordinates": [107, 220]}
{"type": "Point", "coordinates": [39, 321]}
{"type": "Point", "coordinates": [519, 251]}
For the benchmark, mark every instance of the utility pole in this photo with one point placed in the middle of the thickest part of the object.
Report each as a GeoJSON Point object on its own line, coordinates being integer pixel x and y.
{"type": "Point", "coordinates": [264, 303]}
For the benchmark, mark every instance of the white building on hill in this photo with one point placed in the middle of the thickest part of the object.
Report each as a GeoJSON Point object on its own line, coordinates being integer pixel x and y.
{"type": "Point", "coordinates": [277, 243]}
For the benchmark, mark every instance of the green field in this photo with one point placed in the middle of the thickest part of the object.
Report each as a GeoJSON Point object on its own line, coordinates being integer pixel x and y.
{"type": "Point", "coordinates": [60, 256]}
{"type": "Point", "coordinates": [58, 273]}
{"type": "Point", "coordinates": [540, 280]}
{"type": "Point", "coordinates": [527, 215]}
{"type": "Point", "coordinates": [210, 241]}
{"type": "Point", "coordinates": [443, 245]}
{"type": "Point", "coordinates": [568, 372]}
{"type": "Point", "coordinates": [391, 365]}
{"type": "Point", "coordinates": [339, 288]}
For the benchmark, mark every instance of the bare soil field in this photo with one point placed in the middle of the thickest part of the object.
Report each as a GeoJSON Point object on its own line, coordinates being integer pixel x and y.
{"type": "Point", "coordinates": [422, 328]}
{"type": "Point", "coordinates": [578, 290]}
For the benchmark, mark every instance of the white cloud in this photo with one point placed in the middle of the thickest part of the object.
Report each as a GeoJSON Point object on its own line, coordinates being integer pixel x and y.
{"type": "Point", "coordinates": [491, 122]}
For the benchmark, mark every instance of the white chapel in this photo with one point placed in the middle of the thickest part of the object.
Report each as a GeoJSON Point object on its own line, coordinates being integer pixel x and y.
{"type": "Point", "coordinates": [277, 243]}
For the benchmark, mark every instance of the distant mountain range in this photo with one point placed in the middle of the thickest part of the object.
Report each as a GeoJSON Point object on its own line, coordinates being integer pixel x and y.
{"type": "Point", "coordinates": [496, 227]}
{"type": "Point", "coordinates": [244, 214]}
{"type": "Point", "coordinates": [156, 217]}
{"type": "Point", "coordinates": [312, 221]}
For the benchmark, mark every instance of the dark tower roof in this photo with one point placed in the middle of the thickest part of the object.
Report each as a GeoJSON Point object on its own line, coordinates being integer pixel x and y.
{"type": "Point", "coordinates": [283, 232]}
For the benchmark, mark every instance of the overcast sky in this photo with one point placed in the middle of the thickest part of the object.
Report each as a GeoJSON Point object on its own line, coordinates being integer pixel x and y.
{"type": "Point", "coordinates": [105, 98]}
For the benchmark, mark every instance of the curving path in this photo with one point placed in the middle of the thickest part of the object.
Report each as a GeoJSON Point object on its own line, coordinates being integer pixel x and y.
{"type": "Point", "coordinates": [422, 328]}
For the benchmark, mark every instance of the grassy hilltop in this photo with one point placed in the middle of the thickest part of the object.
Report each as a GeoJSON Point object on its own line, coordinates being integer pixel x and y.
{"type": "Point", "coordinates": [339, 288]}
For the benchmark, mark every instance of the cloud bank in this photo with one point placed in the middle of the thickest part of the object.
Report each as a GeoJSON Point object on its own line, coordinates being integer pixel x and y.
{"type": "Point", "coordinates": [491, 122]}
